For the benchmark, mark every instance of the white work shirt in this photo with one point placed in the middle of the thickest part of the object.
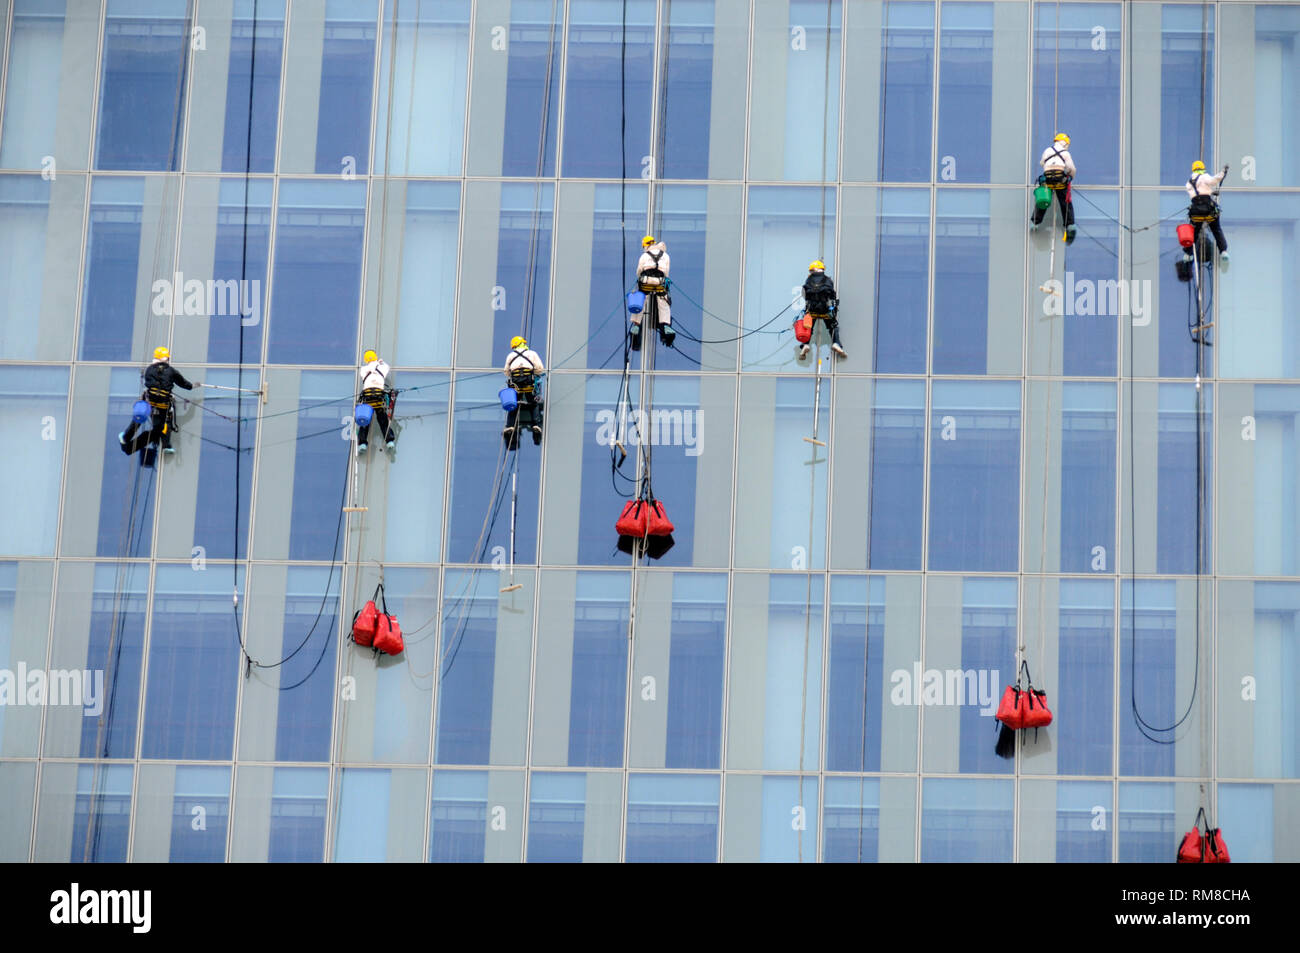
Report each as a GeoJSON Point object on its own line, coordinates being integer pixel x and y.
{"type": "Point", "coordinates": [374, 375]}
{"type": "Point", "coordinates": [525, 358]}
{"type": "Point", "coordinates": [1057, 159]}
{"type": "Point", "coordinates": [1202, 183]}
{"type": "Point", "coordinates": [646, 261]}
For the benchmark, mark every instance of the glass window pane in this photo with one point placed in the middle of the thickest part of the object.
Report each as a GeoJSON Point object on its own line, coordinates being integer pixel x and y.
{"type": "Point", "coordinates": [1059, 822]}
{"type": "Point", "coordinates": [1258, 337]}
{"type": "Point", "coordinates": [907, 73]}
{"type": "Point", "coordinates": [84, 815]}
{"type": "Point", "coordinates": [902, 279]}
{"type": "Point", "coordinates": [182, 814]}
{"type": "Point", "coordinates": [869, 820]}
{"type": "Point", "coordinates": [24, 626]}
{"type": "Point", "coordinates": [965, 820]}
{"type": "Point", "coordinates": [378, 815]}
{"type": "Point", "coordinates": [18, 778]}
{"type": "Point", "coordinates": [476, 817]}
{"type": "Point", "coordinates": [33, 422]}
{"type": "Point", "coordinates": [771, 820]}
{"type": "Point", "coordinates": [672, 818]}
{"type": "Point", "coordinates": [279, 815]}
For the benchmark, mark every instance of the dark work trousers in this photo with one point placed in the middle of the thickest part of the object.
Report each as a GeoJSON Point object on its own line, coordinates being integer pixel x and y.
{"type": "Point", "coordinates": [1067, 207]}
{"type": "Point", "coordinates": [161, 424]}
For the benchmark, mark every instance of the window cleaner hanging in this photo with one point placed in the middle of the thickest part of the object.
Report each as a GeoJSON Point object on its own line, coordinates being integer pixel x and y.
{"type": "Point", "coordinates": [1058, 173]}
{"type": "Point", "coordinates": [160, 409]}
{"type": "Point", "coordinates": [652, 281]}
{"type": "Point", "coordinates": [1204, 210]}
{"type": "Point", "coordinates": [521, 397]}
{"type": "Point", "coordinates": [820, 304]}
{"type": "Point", "coordinates": [378, 397]}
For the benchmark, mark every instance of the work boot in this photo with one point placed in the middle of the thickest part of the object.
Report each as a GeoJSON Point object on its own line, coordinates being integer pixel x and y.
{"type": "Point", "coordinates": [839, 350]}
{"type": "Point", "coordinates": [802, 352]}
{"type": "Point", "coordinates": [537, 435]}
{"type": "Point", "coordinates": [169, 449]}
{"type": "Point", "coordinates": [635, 331]}
{"type": "Point", "coordinates": [391, 445]}
{"type": "Point", "coordinates": [1069, 234]}
{"type": "Point", "coordinates": [667, 334]}
{"type": "Point", "coordinates": [1223, 259]}
{"type": "Point", "coordinates": [361, 449]}
{"type": "Point", "coordinates": [121, 438]}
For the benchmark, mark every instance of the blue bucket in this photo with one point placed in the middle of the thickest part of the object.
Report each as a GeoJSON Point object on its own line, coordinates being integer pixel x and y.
{"type": "Point", "coordinates": [635, 302]}
{"type": "Point", "coordinates": [509, 399]}
{"type": "Point", "coordinates": [363, 415]}
{"type": "Point", "coordinates": [140, 412]}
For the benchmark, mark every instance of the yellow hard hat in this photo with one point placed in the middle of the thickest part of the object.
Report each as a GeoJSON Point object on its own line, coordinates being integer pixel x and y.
{"type": "Point", "coordinates": [817, 266]}
{"type": "Point", "coordinates": [1062, 137]}
{"type": "Point", "coordinates": [517, 341]}
{"type": "Point", "coordinates": [161, 353]}
{"type": "Point", "coordinates": [369, 356]}
{"type": "Point", "coordinates": [1198, 166]}
{"type": "Point", "coordinates": [647, 241]}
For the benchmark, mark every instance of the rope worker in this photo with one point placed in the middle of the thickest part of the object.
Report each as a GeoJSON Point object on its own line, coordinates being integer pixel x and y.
{"type": "Point", "coordinates": [159, 379]}
{"type": "Point", "coordinates": [1058, 173]}
{"type": "Point", "coordinates": [652, 280]}
{"type": "Point", "coordinates": [523, 367]}
{"type": "Point", "coordinates": [375, 395]}
{"type": "Point", "coordinates": [1204, 210]}
{"type": "Point", "coordinates": [820, 304]}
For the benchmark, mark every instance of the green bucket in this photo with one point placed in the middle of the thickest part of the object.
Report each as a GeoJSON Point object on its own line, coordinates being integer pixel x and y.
{"type": "Point", "coordinates": [1042, 197]}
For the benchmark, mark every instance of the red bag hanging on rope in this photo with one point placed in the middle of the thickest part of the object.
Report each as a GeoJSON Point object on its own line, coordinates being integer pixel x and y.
{"type": "Point", "coordinates": [1192, 849]}
{"type": "Point", "coordinates": [1216, 851]}
{"type": "Point", "coordinates": [657, 522]}
{"type": "Point", "coordinates": [1037, 714]}
{"type": "Point", "coordinates": [388, 636]}
{"type": "Point", "coordinates": [365, 619]}
{"type": "Point", "coordinates": [632, 522]}
{"type": "Point", "coordinates": [1011, 710]}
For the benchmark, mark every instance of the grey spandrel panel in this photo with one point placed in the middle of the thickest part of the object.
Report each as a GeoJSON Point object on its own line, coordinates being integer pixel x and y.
{"type": "Point", "coordinates": [24, 624]}
{"type": "Point", "coordinates": [235, 87]}
{"type": "Point", "coordinates": [51, 82]}
{"type": "Point", "coordinates": [1256, 662]}
{"type": "Point", "coordinates": [41, 225]}
{"type": "Point", "coordinates": [34, 426]}
{"type": "Point", "coordinates": [19, 779]}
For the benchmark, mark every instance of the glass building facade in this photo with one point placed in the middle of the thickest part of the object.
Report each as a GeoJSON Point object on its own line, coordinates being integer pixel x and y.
{"type": "Point", "coordinates": [1002, 473]}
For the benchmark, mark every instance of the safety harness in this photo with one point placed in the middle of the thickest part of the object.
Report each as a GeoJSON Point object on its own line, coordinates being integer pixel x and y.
{"type": "Point", "coordinates": [523, 379]}
{"type": "Point", "coordinates": [659, 285]}
{"type": "Point", "coordinates": [1056, 179]}
{"type": "Point", "coordinates": [1204, 208]}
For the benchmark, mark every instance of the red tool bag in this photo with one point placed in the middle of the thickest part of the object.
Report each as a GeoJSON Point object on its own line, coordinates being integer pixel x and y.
{"type": "Point", "coordinates": [1216, 851]}
{"type": "Point", "coordinates": [1192, 849]}
{"type": "Point", "coordinates": [633, 520]}
{"type": "Point", "coordinates": [657, 522]}
{"type": "Point", "coordinates": [388, 635]}
{"type": "Point", "coordinates": [1011, 710]}
{"type": "Point", "coordinates": [802, 331]}
{"type": "Point", "coordinates": [1020, 708]}
{"type": "Point", "coordinates": [1037, 714]}
{"type": "Point", "coordinates": [366, 619]}
{"type": "Point", "coordinates": [1186, 235]}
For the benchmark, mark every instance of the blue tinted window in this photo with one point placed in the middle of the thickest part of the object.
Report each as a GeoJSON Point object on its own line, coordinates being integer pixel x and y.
{"type": "Point", "coordinates": [532, 88]}
{"type": "Point", "coordinates": [243, 241]}
{"type": "Point", "coordinates": [347, 72]}
{"type": "Point", "coordinates": [458, 820]}
{"type": "Point", "coordinates": [975, 476]}
{"type": "Point", "coordinates": [1148, 830]}
{"type": "Point", "coordinates": [297, 834]}
{"type": "Point", "coordinates": [255, 53]}
{"type": "Point", "coordinates": [112, 265]}
{"type": "Point", "coordinates": [30, 398]}
{"type": "Point", "coordinates": [102, 817]}
{"type": "Point", "coordinates": [425, 298]}
{"type": "Point", "coordinates": [672, 819]}
{"type": "Point", "coordinates": [1081, 701]}
{"type": "Point", "coordinates": [200, 787]}
{"type": "Point", "coordinates": [897, 475]}
{"type": "Point", "coordinates": [684, 213]}
{"type": "Point", "coordinates": [610, 69]}
{"type": "Point", "coordinates": [523, 257]}
{"type": "Point", "coordinates": [853, 720]}
{"type": "Point", "coordinates": [964, 820]}
{"type": "Point", "coordinates": [556, 816]}
{"type": "Point", "coordinates": [1076, 86]}
{"type": "Point", "coordinates": [318, 250]}
{"type": "Point", "coordinates": [1186, 87]}
{"type": "Point", "coordinates": [1077, 841]}
{"type": "Point", "coordinates": [194, 667]}
{"type": "Point", "coordinates": [988, 645]}
{"type": "Point", "coordinates": [907, 78]}
{"type": "Point", "coordinates": [852, 821]}
{"type": "Point", "coordinates": [902, 280]}
{"type": "Point", "coordinates": [467, 667]}
{"type": "Point", "coordinates": [1178, 299]}
{"type": "Point", "coordinates": [127, 487]}
{"type": "Point", "coordinates": [961, 282]}
{"type": "Point", "coordinates": [1151, 686]}
{"type": "Point", "coordinates": [688, 99]}
{"type": "Point", "coordinates": [141, 100]}
{"type": "Point", "coordinates": [116, 647]}
{"type": "Point", "coordinates": [966, 88]}
{"type": "Point", "coordinates": [598, 690]}
{"type": "Point", "coordinates": [1183, 462]}
{"type": "Point", "coordinates": [306, 680]}
{"type": "Point", "coordinates": [1092, 301]}
{"type": "Point", "coordinates": [695, 671]}
{"type": "Point", "coordinates": [1087, 475]}
{"type": "Point", "coordinates": [210, 436]}
{"type": "Point", "coordinates": [780, 841]}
